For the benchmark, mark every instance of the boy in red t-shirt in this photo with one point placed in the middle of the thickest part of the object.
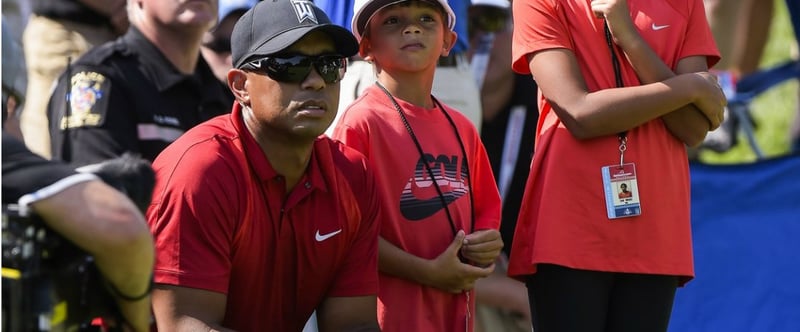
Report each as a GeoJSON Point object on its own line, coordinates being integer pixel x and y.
{"type": "Point", "coordinates": [441, 206]}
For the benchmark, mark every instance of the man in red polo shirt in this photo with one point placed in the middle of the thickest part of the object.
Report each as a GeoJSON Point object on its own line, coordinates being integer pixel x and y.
{"type": "Point", "coordinates": [258, 221]}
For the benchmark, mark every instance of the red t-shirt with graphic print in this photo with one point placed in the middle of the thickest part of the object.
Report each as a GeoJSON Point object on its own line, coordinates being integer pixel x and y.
{"type": "Point", "coordinates": [413, 217]}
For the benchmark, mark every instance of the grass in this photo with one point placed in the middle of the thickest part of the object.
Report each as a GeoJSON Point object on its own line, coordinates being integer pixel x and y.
{"type": "Point", "coordinates": [773, 110]}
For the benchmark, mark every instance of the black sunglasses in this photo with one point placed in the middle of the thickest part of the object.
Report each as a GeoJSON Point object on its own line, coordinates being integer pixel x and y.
{"type": "Point", "coordinates": [295, 69]}
{"type": "Point", "coordinates": [219, 45]}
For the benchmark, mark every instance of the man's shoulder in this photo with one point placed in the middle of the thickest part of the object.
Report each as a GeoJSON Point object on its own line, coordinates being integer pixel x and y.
{"type": "Point", "coordinates": [105, 54]}
{"type": "Point", "coordinates": [106, 63]}
{"type": "Point", "coordinates": [193, 163]}
{"type": "Point", "coordinates": [202, 144]}
{"type": "Point", "coordinates": [89, 83]}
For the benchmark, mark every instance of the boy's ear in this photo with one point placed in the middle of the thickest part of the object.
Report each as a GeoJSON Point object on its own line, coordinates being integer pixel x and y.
{"type": "Point", "coordinates": [237, 80]}
{"type": "Point", "coordinates": [450, 38]}
{"type": "Point", "coordinates": [363, 48]}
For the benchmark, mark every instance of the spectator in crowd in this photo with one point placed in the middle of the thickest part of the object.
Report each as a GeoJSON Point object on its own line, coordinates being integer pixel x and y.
{"type": "Point", "coordinates": [740, 29]}
{"type": "Point", "coordinates": [101, 220]}
{"type": "Point", "coordinates": [216, 48]}
{"type": "Point", "coordinates": [57, 32]}
{"type": "Point", "coordinates": [258, 219]}
{"type": "Point", "coordinates": [441, 208]}
{"type": "Point", "coordinates": [509, 122]}
{"type": "Point", "coordinates": [141, 91]}
{"type": "Point", "coordinates": [617, 93]}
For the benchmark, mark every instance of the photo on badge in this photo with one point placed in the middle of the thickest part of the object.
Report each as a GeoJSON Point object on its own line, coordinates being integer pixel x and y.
{"type": "Point", "coordinates": [621, 191]}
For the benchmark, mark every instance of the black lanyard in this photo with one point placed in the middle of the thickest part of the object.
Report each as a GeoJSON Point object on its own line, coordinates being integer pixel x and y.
{"type": "Point", "coordinates": [428, 167]}
{"type": "Point", "coordinates": [614, 59]}
{"type": "Point", "coordinates": [623, 136]}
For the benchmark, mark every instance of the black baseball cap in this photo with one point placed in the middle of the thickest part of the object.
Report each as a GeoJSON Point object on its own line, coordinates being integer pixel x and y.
{"type": "Point", "coordinates": [273, 25]}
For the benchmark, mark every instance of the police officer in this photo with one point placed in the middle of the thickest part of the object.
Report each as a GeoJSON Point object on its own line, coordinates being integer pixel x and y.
{"type": "Point", "coordinates": [57, 31]}
{"type": "Point", "coordinates": [141, 91]}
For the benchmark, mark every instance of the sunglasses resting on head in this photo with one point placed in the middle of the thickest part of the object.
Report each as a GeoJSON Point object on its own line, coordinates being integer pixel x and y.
{"type": "Point", "coordinates": [295, 68]}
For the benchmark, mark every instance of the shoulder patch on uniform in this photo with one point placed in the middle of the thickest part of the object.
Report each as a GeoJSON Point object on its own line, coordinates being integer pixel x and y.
{"type": "Point", "coordinates": [87, 90]}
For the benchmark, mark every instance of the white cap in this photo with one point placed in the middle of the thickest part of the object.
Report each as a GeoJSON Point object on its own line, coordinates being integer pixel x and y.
{"type": "Point", "coordinates": [495, 3]}
{"type": "Point", "coordinates": [363, 10]}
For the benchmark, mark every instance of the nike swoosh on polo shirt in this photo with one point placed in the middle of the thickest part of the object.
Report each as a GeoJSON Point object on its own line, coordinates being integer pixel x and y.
{"type": "Point", "coordinates": [659, 27]}
{"type": "Point", "coordinates": [322, 237]}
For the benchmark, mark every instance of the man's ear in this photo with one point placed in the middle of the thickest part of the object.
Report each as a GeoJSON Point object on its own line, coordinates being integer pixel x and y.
{"type": "Point", "coordinates": [237, 80]}
{"type": "Point", "coordinates": [450, 38]}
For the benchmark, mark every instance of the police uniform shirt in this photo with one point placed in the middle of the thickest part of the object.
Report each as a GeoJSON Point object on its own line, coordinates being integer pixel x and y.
{"type": "Point", "coordinates": [126, 96]}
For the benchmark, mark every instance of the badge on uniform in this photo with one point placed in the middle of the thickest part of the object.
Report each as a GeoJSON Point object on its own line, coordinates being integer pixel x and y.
{"type": "Point", "coordinates": [621, 191]}
{"type": "Point", "coordinates": [86, 90]}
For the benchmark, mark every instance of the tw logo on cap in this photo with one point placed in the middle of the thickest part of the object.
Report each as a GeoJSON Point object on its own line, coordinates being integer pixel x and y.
{"type": "Point", "coordinates": [304, 10]}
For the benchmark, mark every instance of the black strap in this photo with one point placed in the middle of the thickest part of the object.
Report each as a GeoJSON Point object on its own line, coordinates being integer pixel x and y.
{"type": "Point", "coordinates": [130, 298]}
{"type": "Point", "coordinates": [615, 63]}
{"type": "Point", "coordinates": [465, 163]}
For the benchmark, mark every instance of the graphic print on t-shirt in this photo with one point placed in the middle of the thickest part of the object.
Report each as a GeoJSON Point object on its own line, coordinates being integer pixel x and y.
{"type": "Point", "coordinates": [420, 200]}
